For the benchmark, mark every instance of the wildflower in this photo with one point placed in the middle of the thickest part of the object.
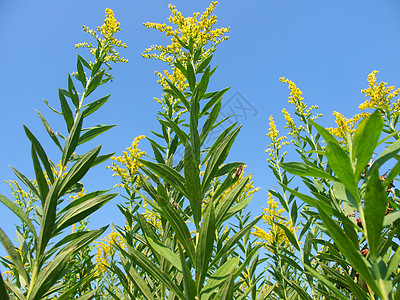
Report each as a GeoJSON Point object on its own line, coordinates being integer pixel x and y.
{"type": "Point", "coordinates": [108, 42]}
{"type": "Point", "coordinates": [197, 31]}
{"type": "Point", "coordinates": [129, 164]}
{"type": "Point", "coordinates": [277, 142]}
{"type": "Point", "coordinates": [276, 235]}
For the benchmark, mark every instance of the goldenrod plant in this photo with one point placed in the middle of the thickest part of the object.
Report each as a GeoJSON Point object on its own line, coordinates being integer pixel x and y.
{"type": "Point", "coordinates": [343, 229]}
{"type": "Point", "coordinates": [46, 251]}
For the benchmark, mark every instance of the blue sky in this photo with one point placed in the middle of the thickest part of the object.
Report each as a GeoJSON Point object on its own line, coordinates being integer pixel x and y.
{"type": "Point", "coordinates": [327, 48]}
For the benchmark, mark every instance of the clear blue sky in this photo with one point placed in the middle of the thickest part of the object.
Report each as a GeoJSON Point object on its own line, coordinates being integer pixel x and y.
{"type": "Point", "coordinates": [327, 48]}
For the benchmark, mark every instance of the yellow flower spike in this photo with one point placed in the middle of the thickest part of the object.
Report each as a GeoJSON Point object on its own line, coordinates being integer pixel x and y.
{"type": "Point", "coordinates": [199, 29]}
{"type": "Point", "coordinates": [108, 42]}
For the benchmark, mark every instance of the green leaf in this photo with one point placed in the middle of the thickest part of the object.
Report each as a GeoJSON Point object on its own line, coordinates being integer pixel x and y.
{"type": "Point", "coordinates": [204, 64]}
{"type": "Point", "coordinates": [81, 74]}
{"type": "Point", "coordinates": [92, 132]}
{"type": "Point", "coordinates": [41, 180]}
{"type": "Point", "coordinates": [3, 290]}
{"type": "Point", "coordinates": [340, 163]}
{"type": "Point", "coordinates": [290, 235]}
{"type": "Point", "coordinates": [189, 286]}
{"type": "Point", "coordinates": [50, 274]}
{"type": "Point", "coordinates": [390, 218]}
{"type": "Point", "coordinates": [95, 105]}
{"type": "Point", "coordinates": [94, 83]}
{"type": "Point", "coordinates": [81, 208]}
{"type": "Point", "coordinates": [325, 281]}
{"type": "Point", "coordinates": [26, 181]}
{"type": "Point", "coordinates": [177, 94]}
{"type": "Point", "coordinates": [181, 134]}
{"type": "Point", "coordinates": [218, 156]}
{"type": "Point", "coordinates": [19, 213]}
{"type": "Point", "coordinates": [218, 278]}
{"type": "Point", "coordinates": [208, 125]}
{"type": "Point", "coordinates": [389, 152]}
{"type": "Point", "coordinates": [167, 173]}
{"type": "Point", "coordinates": [144, 262]}
{"type": "Point", "coordinates": [204, 247]}
{"type": "Point", "coordinates": [49, 130]}
{"type": "Point", "coordinates": [230, 198]}
{"type": "Point", "coordinates": [365, 140]}
{"type": "Point", "coordinates": [301, 169]}
{"type": "Point", "coordinates": [177, 222]}
{"type": "Point", "coordinates": [13, 254]}
{"type": "Point", "coordinates": [348, 249]}
{"type": "Point", "coordinates": [192, 183]}
{"type": "Point", "coordinates": [72, 92]}
{"type": "Point", "coordinates": [15, 290]}
{"type": "Point", "coordinates": [165, 252]}
{"type": "Point", "coordinates": [42, 154]}
{"type": "Point", "coordinates": [375, 205]}
{"type": "Point", "coordinates": [78, 170]}
{"type": "Point", "coordinates": [72, 140]}
{"type": "Point", "coordinates": [216, 98]}
{"type": "Point", "coordinates": [66, 110]}
{"type": "Point", "coordinates": [191, 77]}
{"type": "Point", "coordinates": [226, 291]}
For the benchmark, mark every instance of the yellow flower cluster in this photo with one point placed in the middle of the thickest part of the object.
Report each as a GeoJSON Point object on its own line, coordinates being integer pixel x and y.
{"type": "Point", "coordinates": [277, 142]}
{"type": "Point", "coordinates": [105, 250]}
{"type": "Point", "coordinates": [108, 43]}
{"type": "Point", "coordinates": [190, 28]}
{"type": "Point", "coordinates": [296, 99]}
{"type": "Point", "coordinates": [247, 191]}
{"type": "Point", "coordinates": [379, 96]}
{"type": "Point", "coordinates": [276, 235]}
{"type": "Point", "coordinates": [129, 164]}
{"type": "Point", "coordinates": [198, 32]}
{"type": "Point", "coordinates": [345, 126]}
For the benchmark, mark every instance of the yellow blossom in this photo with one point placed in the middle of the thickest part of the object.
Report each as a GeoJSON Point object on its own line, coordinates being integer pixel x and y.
{"type": "Point", "coordinates": [129, 164]}
{"type": "Point", "coordinates": [108, 42]}
{"type": "Point", "coordinates": [197, 31]}
{"type": "Point", "coordinates": [276, 235]}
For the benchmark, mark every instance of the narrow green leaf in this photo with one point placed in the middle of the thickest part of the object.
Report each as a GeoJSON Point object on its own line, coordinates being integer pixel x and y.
{"type": "Point", "coordinates": [78, 212]}
{"type": "Point", "coordinates": [151, 269]}
{"type": "Point", "coordinates": [208, 124]}
{"type": "Point", "coordinates": [290, 235]}
{"type": "Point", "coordinates": [81, 74]}
{"type": "Point", "coordinates": [95, 105]}
{"type": "Point", "coordinates": [204, 64]}
{"type": "Point", "coordinates": [178, 131]}
{"type": "Point", "coordinates": [19, 212]}
{"type": "Point", "coordinates": [26, 181]}
{"type": "Point", "coordinates": [72, 92]}
{"type": "Point", "coordinates": [177, 94]}
{"type": "Point", "coordinates": [365, 140]}
{"type": "Point", "coordinates": [301, 169]}
{"type": "Point", "coordinates": [191, 77]}
{"type": "Point", "coordinates": [217, 97]}
{"type": "Point", "coordinates": [50, 274]}
{"type": "Point", "coordinates": [78, 170]}
{"type": "Point", "coordinates": [390, 218]}
{"type": "Point", "coordinates": [218, 278]}
{"type": "Point", "coordinates": [375, 205]}
{"type": "Point", "coordinates": [13, 254]}
{"type": "Point", "coordinates": [93, 132]}
{"type": "Point", "coordinates": [167, 173]}
{"type": "Point", "coordinates": [3, 290]}
{"type": "Point", "coordinates": [340, 163]}
{"type": "Point", "coordinates": [192, 183]}
{"type": "Point", "coordinates": [226, 291]}
{"type": "Point", "coordinates": [218, 157]}
{"type": "Point", "coordinates": [66, 110]}
{"type": "Point", "coordinates": [389, 152]}
{"type": "Point", "coordinates": [72, 140]}
{"type": "Point", "coordinates": [17, 292]}
{"type": "Point", "coordinates": [204, 247]}
{"type": "Point", "coordinates": [49, 130]}
{"type": "Point", "coordinates": [189, 286]}
{"type": "Point", "coordinates": [348, 249]}
{"type": "Point", "coordinates": [41, 180]}
{"type": "Point", "coordinates": [94, 83]}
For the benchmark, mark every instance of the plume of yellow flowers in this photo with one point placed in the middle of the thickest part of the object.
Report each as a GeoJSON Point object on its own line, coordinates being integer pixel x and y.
{"type": "Point", "coordinates": [128, 164]}
{"type": "Point", "coordinates": [108, 42]}
{"type": "Point", "coordinates": [276, 235]}
{"type": "Point", "coordinates": [379, 96]}
{"type": "Point", "coordinates": [184, 31]}
{"type": "Point", "coordinates": [277, 142]}
{"type": "Point", "coordinates": [105, 250]}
